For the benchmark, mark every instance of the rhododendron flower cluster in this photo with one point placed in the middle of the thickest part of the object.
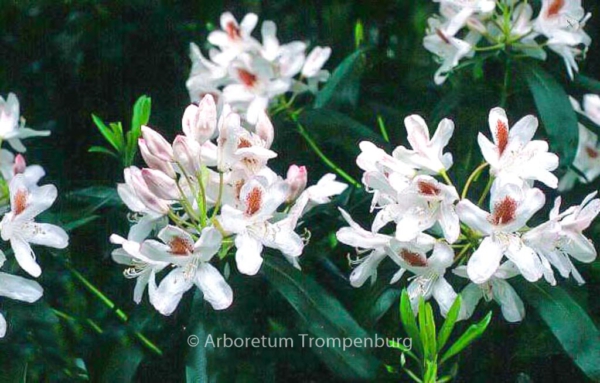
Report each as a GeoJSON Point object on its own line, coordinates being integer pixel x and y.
{"type": "Point", "coordinates": [21, 201]}
{"type": "Point", "coordinates": [248, 74]}
{"type": "Point", "coordinates": [586, 165]}
{"type": "Point", "coordinates": [207, 194]}
{"type": "Point", "coordinates": [463, 28]}
{"type": "Point", "coordinates": [432, 234]}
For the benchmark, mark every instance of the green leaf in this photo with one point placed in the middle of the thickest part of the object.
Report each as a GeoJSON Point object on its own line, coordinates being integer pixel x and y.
{"type": "Point", "coordinates": [555, 110]}
{"type": "Point", "coordinates": [117, 129]}
{"type": "Point", "coordinates": [427, 330]}
{"type": "Point", "coordinates": [322, 316]}
{"type": "Point", "coordinates": [407, 317]}
{"type": "Point", "coordinates": [107, 133]}
{"type": "Point", "coordinates": [449, 323]}
{"type": "Point", "coordinates": [141, 114]}
{"type": "Point", "coordinates": [102, 149]}
{"type": "Point", "coordinates": [472, 333]}
{"type": "Point", "coordinates": [97, 195]}
{"type": "Point", "coordinates": [570, 324]}
{"type": "Point", "coordinates": [342, 89]}
{"type": "Point", "coordinates": [430, 371]}
{"type": "Point", "coordinates": [588, 83]}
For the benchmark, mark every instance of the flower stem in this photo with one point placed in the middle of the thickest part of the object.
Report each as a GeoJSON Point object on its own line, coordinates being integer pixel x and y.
{"type": "Point", "coordinates": [485, 191]}
{"type": "Point", "coordinates": [219, 197]}
{"type": "Point", "coordinates": [112, 306]}
{"type": "Point", "coordinates": [446, 178]}
{"type": "Point", "coordinates": [313, 145]}
{"type": "Point", "coordinates": [471, 178]}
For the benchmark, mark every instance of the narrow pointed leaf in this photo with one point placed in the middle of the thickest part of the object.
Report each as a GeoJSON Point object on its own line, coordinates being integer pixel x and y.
{"type": "Point", "coordinates": [106, 132]}
{"type": "Point", "coordinates": [472, 333]}
{"type": "Point", "coordinates": [409, 322]}
{"type": "Point", "coordinates": [343, 87]}
{"type": "Point", "coordinates": [449, 323]}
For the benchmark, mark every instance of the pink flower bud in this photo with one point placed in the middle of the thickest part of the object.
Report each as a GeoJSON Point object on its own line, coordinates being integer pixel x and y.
{"type": "Point", "coordinates": [296, 178]}
{"type": "Point", "coordinates": [264, 129]}
{"type": "Point", "coordinates": [20, 164]}
{"type": "Point", "coordinates": [157, 145]}
{"type": "Point", "coordinates": [149, 199]}
{"type": "Point", "coordinates": [154, 162]}
{"type": "Point", "coordinates": [186, 152]}
{"type": "Point", "coordinates": [200, 122]}
{"type": "Point", "coordinates": [160, 184]}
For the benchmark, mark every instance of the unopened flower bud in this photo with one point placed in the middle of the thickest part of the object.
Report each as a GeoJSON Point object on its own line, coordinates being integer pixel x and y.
{"type": "Point", "coordinates": [157, 145]}
{"type": "Point", "coordinates": [296, 179]}
{"type": "Point", "coordinates": [20, 164]}
{"type": "Point", "coordinates": [160, 184]}
{"type": "Point", "coordinates": [186, 152]}
{"type": "Point", "coordinates": [200, 122]}
{"type": "Point", "coordinates": [154, 162]}
{"type": "Point", "coordinates": [149, 199]}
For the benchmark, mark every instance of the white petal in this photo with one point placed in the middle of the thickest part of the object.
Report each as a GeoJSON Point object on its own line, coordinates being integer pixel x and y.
{"type": "Point", "coordinates": [247, 256]}
{"type": "Point", "coordinates": [366, 269]}
{"type": "Point", "coordinates": [2, 326]}
{"type": "Point", "coordinates": [25, 256]}
{"type": "Point", "coordinates": [214, 287]}
{"type": "Point", "coordinates": [485, 261]}
{"type": "Point", "coordinates": [166, 297]}
{"type": "Point", "coordinates": [444, 295]}
{"type": "Point", "coordinates": [470, 297]}
{"type": "Point", "coordinates": [46, 234]}
{"type": "Point", "coordinates": [19, 288]}
{"type": "Point", "coordinates": [512, 306]}
{"type": "Point", "coordinates": [473, 216]}
{"type": "Point", "coordinates": [525, 259]}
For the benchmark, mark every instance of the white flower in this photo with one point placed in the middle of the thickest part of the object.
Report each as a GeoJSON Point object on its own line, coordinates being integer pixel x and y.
{"type": "Point", "coordinates": [429, 272]}
{"type": "Point", "coordinates": [512, 204]}
{"type": "Point", "coordinates": [141, 267]}
{"type": "Point", "coordinates": [240, 149]}
{"type": "Point", "coordinates": [11, 128]}
{"type": "Point", "coordinates": [258, 202]}
{"type": "Point", "coordinates": [562, 237]}
{"type": "Point", "coordinates": [513, 153]}
{"type": "Point", "coordinates": [562, 22]}
{"type": "Point", "coordinates": [18, 225]}
{"type": "Point", "coordinates": [312, 72]}
{"type": "Point", "coordinates": [364, 240]}
{"type": "Point", "coordinates": [234, 38]}
{"type": "Point", "coordinates": [426, 154]}
{"type": "Point", "coordinates": [557, 15]}
{"type": "Point", "coordinates": [441, 41]}
{"type": "Point", "coordinates": [192, 267]}
{"type": "Point", "coordinates": [587, 161]}
{"type": "Point", "coordinates": [255, 85]}
{"type": "Point", "coordinates": [206, 77]}
{"type": "Point", "coordinates": [423, 203]}
{"type": "Point", "coordinates": [496, 288]}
